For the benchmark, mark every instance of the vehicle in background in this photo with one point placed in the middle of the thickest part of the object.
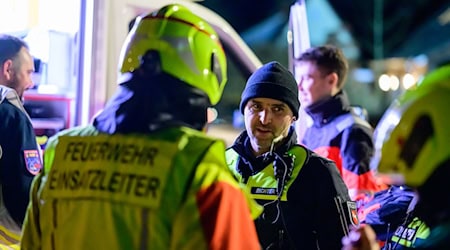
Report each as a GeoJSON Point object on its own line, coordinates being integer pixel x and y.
{"type": "Point", "coordinates": [298, 42]}
{"type": "Point", "coordinates": [96, 47]}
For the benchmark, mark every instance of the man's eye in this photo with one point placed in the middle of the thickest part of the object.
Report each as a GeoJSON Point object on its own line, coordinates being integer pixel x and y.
{"type": "Point", "coordinates": [255, 107]}
{"type": "Point", "coordinates": [278, 109]}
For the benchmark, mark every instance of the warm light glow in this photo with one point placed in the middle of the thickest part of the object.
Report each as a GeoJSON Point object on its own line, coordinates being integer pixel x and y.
{"type": "Point", "coordinates": [383, 82]}
{"type": "Point", "coordinates": [408, 81]}
{"type": "Point", "coordinates": [388, 82]}
{"type": "Point", "coordinates": [64, 21]}
{"type": "Point", "coordinates": [394, 82]}
{"type": "Point", "coordinates": [15, 16]}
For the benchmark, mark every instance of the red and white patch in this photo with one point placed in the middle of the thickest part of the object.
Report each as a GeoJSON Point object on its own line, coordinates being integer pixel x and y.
{"type": "Point", "coordinates": [353, 213]}
{"type": "Point", "coordinates": [32, 161]}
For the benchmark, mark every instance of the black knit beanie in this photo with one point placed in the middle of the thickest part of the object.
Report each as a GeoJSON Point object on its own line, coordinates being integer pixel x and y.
{"type": "Point", "coordinates": [274, 81]}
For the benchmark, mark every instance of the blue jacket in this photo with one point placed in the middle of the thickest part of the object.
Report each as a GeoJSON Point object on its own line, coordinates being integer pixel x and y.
{"type": "Point", "coordinates": [342, 136]}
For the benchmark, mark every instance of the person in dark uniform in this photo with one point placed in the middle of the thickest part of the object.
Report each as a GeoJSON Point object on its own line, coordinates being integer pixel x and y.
{"type": "Point", "coordinates": [20, 158]}
{"type": "Point", "coordinates": [306, 203]}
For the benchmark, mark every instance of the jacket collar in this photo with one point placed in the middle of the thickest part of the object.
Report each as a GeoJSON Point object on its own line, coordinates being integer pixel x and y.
{"type": "Point", "coordinates": [255, 164]}
{"type": "Point", "coordinates": [325, 111]}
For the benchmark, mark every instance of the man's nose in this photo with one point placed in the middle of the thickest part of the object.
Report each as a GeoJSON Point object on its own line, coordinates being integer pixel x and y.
{"type": "Point", "coordinates": [265, 116]}
{"type": "Point", "coordinates": [300, 85]}
{"type": "Point", "coordinates": [30, 84]}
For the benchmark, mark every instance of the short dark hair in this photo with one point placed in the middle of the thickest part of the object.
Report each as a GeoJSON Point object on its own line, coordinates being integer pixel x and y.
{"type": "Point", "coordinates": [10, 47]}
{"type": "Point", "coordinates": [329, 59]}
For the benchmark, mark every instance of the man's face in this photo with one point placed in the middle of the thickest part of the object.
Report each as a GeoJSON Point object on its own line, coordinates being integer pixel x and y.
{"type": "Point", "coordinates": [313, 85]}
{"type": "Point", "coordinates": [266, 119]}
{"type": "Point", "coordinates": [19, 71]}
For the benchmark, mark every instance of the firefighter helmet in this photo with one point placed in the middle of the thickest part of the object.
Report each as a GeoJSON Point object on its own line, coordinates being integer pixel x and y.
{"type": "Point", "coordinates": [416, 131]}
{"type": "Point", "coordinates": [187, 47]}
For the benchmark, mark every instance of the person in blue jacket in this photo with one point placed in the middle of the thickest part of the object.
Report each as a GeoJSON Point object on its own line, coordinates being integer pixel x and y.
{"type": "Point", "coordinates": [19, 152]}
{"type": "Point", "coordinates": [336, 131]}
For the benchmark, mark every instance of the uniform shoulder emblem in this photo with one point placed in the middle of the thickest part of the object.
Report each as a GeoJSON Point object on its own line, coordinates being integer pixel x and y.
{"type": "Point", "coordinates": [32, 161]}
{"type": "Point", "coordinates": [352, 213]}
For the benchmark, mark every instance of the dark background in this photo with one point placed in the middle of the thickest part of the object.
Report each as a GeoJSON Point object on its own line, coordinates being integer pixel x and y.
{"type": "Point", "coordinates": [404, 27]}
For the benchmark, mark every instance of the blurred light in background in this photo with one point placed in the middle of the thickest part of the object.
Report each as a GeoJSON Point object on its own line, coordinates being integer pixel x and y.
{"type": "Point", "coordinates": [408, 81]}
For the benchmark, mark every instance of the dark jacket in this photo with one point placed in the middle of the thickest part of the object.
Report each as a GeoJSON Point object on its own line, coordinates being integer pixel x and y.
{"type": "Point", "coordinates": [309, 216]}
{"type": "Point", "coordinates": [20, 158]}
{"type": "Point", "coordinates": [342, 136]}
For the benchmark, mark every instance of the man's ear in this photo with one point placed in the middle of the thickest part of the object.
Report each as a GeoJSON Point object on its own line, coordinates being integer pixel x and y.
{"type": "Point", "coordinates": [293, 119]}
{"type": "Point", "coordinates": [6, 69]}
{"type": "Point", "coordinates": [332, 79]}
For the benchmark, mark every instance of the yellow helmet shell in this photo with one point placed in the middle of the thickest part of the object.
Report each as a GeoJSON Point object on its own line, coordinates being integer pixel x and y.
{"type": "Point", "coordinates": [187, 45]}
{"type": "Point", "coordinates": [421, 139]}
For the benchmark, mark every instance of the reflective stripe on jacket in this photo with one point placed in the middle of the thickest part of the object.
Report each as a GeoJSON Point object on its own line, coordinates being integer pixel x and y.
{"type": "Point", "coordinates": [9, 239]}
{"type": "Point", "coordinates": [263, 185]}
{"type": "Point", "coordinates": [308, 215]}
{"type": "Point", "coordinates": [20, 161]}
{"type": "Point", "coordinates": [409, 235]}
{"type": "Point", "coordinates": [342, 136]}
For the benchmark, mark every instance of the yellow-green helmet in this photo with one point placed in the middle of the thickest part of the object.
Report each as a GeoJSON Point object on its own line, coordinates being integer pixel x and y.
{"type": "Point", "coordinates": [188, 47]}
{"type": "Point", "coordinates": [417, 131]}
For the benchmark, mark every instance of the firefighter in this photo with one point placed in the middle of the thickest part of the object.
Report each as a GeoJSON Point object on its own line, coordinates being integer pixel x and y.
{"type": "Point", "coordinates": [416, 153]}
{"type": "Point", "coordinates": [20, 157]}
{"type": "Point", "coordinates": [143, 175]}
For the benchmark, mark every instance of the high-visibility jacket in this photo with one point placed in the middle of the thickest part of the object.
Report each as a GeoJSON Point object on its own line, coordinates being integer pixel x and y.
{"type": "Point", "coordinates": [313, 210]}
{"type": "Point", "coordinates": [409, 235]}
{"type": "Point", "coordinates": [165, 190]}
{"type": "Point", "coordinates": [20, 161]}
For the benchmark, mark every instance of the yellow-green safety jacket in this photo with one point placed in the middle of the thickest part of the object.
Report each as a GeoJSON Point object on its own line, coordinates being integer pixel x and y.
{"type": "Point", "coordinates": [314, 209]}
{"type": "Point", "coordinates": [166, 190]}
{"type": "Point", "coordinates": [409, 235]}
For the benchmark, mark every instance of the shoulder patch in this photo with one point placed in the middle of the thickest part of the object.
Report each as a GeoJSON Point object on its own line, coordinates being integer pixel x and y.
{"type": "Point", "coordinates": [32, 161]}
{"type": "Point", "coordinates": [352, 213]}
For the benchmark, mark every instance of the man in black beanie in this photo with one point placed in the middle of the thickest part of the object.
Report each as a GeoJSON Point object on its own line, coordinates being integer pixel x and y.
{"type": "Point", "coordinates": [306, 203]}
